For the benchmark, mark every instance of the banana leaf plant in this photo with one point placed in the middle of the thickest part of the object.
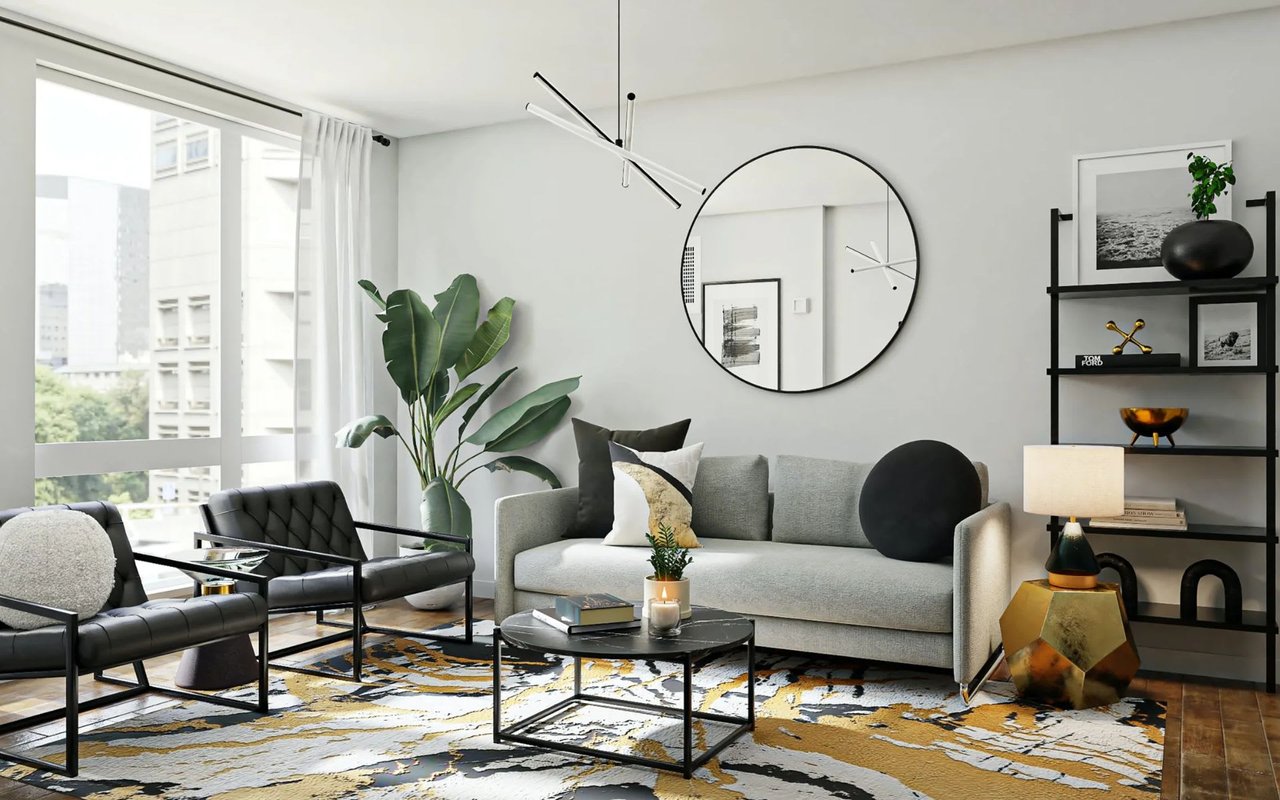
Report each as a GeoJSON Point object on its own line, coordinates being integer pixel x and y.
{"type": "Point", "coordinates": [431, 352]}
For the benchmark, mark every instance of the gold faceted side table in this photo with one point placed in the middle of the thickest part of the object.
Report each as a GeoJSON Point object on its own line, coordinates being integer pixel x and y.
{"type": "Point", "coordinates": [1069, 646]}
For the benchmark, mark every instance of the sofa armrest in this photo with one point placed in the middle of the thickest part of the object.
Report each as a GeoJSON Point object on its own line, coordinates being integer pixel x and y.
{"type": "Point", "coordinates": [523, 522]}
{"type": "Point", "coordinates": [981, 565]}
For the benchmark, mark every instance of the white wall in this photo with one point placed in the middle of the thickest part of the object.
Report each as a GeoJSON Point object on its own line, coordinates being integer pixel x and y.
{"type": "Point", "coordinates": [979, 147]}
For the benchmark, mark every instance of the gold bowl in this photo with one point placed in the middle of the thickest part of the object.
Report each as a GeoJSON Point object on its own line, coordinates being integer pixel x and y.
{"type": "Point", "coordinates": [1154, 422]}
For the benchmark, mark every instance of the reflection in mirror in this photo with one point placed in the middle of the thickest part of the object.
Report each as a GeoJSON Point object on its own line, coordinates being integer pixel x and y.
{"type": "Point", "coordinates": [799, 269]}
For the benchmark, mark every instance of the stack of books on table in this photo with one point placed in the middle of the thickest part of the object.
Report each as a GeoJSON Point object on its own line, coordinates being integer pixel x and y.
{"type": "Point", "coordinates": [589, 613]}
{"type": "Point", "coordinates": [1155, 513]}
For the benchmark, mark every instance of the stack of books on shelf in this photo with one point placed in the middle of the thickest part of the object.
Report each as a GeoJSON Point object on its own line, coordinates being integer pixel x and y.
{"type": "Point", "coordinates": [1156, 513]}
{"type": "Point", "coordinates": [589, 613]}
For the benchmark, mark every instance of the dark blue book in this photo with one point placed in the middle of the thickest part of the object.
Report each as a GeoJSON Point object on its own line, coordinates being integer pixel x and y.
{"type": "Point", "coordinates": [593, 609]}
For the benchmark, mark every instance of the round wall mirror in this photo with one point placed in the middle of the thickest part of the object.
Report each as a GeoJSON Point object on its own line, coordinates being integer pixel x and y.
{"type": "Point", "coordinates": [799, 269]}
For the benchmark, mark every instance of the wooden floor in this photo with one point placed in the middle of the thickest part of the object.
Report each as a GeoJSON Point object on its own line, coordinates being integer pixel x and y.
{"type": "Point", "coordinates": [1221, 742]}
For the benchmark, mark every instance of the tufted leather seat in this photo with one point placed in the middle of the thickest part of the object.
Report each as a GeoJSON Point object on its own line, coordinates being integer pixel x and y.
{"type": "Point", "coordinates": [127, 630]}
{"type": "Point", "coordinates": [121, 635]}
{"type": "Point", "coordinates": [308, 516]}
{"type": "Point", "coordinates": [129, 627]}
{"type": "Point", "coordinates": [381, 579]}
{"type": "Point", "coordinates": [314, 516]}
{"type": "Point", "coordinates": [316, 552]}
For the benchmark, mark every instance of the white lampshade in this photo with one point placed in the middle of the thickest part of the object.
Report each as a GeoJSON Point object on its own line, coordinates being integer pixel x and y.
{"type": "Point", "coordinates": [1073, 480]}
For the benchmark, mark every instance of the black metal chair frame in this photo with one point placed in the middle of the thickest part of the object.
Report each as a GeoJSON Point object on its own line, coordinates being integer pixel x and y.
{"type": "Point", "coordinates": [358, 627]}
{"type": "Point", "coordinates": [70, 670]}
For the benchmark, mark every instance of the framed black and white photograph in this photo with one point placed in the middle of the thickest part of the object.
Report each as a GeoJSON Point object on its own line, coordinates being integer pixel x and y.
{"type": "Point", "coordinates": [742, 328]}
{"type": "Point", "coordinates": [1227, 331]}
{"type": "Point", "coordinates": [1127, 202]}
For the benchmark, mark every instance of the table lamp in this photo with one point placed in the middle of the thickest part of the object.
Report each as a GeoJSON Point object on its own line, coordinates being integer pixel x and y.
{"type": "Point", "coordinates": [1073, 481]}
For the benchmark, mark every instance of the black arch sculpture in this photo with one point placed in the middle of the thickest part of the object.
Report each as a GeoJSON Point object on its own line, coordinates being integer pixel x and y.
{"type": "Point", "coordinates": [1230, 588]}
{"type": "Point", "coordinates": [1128, 580]}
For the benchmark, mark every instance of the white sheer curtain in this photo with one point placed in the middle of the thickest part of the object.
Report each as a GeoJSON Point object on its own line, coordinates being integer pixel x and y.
{"type": "Point", "coordinates": [335, 336]}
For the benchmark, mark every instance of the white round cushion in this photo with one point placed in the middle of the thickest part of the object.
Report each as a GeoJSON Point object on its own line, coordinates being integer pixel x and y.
{"type": "Point", "coordinates": [58, 558]}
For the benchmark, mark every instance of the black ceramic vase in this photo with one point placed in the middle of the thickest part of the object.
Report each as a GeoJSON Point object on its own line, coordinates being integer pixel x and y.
{"type": "Point", "coordinates": [1206, 248]}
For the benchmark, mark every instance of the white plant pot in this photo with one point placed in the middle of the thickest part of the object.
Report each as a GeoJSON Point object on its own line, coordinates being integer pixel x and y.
{"type": "Point", "coordinates": [675, 590]}
{"type": "Point", "coordinates": [434, 599]}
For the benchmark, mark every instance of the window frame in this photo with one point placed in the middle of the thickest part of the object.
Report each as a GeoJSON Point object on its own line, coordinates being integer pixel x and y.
{"type": "Point", "coordinates": [229, 450]}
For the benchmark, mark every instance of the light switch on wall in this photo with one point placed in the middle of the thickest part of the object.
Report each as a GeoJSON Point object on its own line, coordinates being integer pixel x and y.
{"type": "Point", "coordinates": [800, 305]}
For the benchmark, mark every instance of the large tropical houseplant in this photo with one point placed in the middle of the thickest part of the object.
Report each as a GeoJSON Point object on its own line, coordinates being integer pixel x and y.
{"type": "Point", "coordinates": [430, 353]}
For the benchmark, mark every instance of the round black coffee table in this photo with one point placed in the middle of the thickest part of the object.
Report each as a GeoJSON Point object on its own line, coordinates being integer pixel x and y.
{"type": "Point", "coordinates": [707, 632]}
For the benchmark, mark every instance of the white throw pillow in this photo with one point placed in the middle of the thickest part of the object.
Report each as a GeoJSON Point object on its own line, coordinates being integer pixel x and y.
{"type": "Point", "coordinates": [58, 557]}
{"type": "Point", "coordinates": [652, 489]}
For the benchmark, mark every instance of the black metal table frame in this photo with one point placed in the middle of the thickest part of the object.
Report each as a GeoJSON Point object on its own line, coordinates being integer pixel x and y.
{"type": "Point", "coordinates": [687, 765]}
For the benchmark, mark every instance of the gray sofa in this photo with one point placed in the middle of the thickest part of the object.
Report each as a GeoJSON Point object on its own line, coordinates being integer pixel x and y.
{"type": "Point", "coordinates": [796, 560]}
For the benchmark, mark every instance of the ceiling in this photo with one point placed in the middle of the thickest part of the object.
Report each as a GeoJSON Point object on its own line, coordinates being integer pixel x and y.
{"type": "Point", "coordinates": [409, 67]}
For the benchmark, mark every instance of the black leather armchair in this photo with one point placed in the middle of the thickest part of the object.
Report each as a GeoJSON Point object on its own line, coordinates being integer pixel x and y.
{"type": "Point", "coordinates": [318, 564]}
{"type": "Point", "coordinates": [128, 629]}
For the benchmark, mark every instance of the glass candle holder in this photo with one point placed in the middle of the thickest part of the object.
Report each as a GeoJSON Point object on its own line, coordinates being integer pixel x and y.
{"type": "Point", "coordinates": [664, 617]}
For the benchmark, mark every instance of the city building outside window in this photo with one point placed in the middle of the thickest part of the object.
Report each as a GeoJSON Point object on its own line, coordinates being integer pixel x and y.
{"type": "Point", "coordinates": [134, 349]}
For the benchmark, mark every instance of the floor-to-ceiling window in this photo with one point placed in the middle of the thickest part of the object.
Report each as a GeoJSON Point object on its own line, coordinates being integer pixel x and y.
{"type": "Point", "coordinates": [164, 353]}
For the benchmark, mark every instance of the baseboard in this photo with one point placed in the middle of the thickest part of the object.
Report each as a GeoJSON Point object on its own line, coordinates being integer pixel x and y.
{"type": "Point", "coordinates": [483, 589]}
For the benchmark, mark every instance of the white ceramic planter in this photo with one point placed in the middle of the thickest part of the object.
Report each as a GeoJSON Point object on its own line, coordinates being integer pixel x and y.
{"type": "Point", "coordinates": [434, 599]}
{"type": "Point", "coordinates": [676, 590]}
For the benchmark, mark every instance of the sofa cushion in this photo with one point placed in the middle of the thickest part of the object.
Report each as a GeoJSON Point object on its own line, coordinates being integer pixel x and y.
{"type": "Point", "coordinates": [845, 585]}
{"type": "Point", "coordinates": [731, 498]}
{"type": "Point", "coordinates": [815, 501]}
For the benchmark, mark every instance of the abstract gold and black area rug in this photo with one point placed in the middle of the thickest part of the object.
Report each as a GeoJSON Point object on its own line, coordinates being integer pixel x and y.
{"type": "Point", "coordinates": [421, 727]}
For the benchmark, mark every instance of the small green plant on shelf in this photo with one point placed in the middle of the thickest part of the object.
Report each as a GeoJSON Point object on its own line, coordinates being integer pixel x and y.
{"type": "Point", "coordinates": [668, 558]}
{"type": "Point", "coordinates": [1212, 180]}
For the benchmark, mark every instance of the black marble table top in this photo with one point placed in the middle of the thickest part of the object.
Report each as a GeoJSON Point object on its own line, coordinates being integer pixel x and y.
{"type": "Point", "coordinates": [708, 630]}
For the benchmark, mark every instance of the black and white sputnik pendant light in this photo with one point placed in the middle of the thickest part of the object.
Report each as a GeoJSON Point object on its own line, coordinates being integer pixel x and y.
{"type": "Point", "coordinates": [877, 260]}
{"type": "Point", "coordinates": [588, 131]}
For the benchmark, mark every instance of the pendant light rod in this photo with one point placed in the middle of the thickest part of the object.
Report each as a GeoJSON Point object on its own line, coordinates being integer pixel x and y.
{"type": "Point", "coordinates": [585, 120]}
{"type": "Point", "coordinates": [604, 144]}
{"type": "Point", "coordinates": [618, 95]}
{"type": "Point", "coordinates": [628, 137]}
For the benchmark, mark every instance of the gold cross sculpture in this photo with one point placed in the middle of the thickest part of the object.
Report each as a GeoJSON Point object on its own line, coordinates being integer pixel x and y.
{"type": "Point", "coordinates": [1127, 338]}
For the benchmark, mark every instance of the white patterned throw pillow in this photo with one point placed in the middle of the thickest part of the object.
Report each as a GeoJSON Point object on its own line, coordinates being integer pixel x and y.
{"type": "Point", "coordinates": [57, 557]}
{"type": "Point", "coordinates": [651, 489]}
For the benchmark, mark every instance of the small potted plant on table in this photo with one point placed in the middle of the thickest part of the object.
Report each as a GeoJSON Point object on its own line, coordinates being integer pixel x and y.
{"type": "Point", "coordinates": [669, 561]}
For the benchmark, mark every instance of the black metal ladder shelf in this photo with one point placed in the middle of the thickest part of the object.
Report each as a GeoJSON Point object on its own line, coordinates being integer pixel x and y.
{"type": "Point", "coordinates": [1263, 622]}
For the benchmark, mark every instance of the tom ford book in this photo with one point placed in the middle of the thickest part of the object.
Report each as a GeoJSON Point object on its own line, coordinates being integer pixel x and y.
{"type": "Point", "coordinates": [1105, 361]}
{"type": "Point", "coordinates": [593, 609]}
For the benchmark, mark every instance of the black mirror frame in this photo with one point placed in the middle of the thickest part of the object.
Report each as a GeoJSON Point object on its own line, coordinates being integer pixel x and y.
{"type": "Point", "coordinates": [915, 235]}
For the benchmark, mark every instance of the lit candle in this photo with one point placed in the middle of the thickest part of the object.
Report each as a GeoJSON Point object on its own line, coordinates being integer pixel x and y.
{"type": "Point", "coordinates": [664, 615]}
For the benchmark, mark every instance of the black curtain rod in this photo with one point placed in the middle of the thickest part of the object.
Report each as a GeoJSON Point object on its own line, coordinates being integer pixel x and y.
{"type": "Point", "coordinates": [377, 137]}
